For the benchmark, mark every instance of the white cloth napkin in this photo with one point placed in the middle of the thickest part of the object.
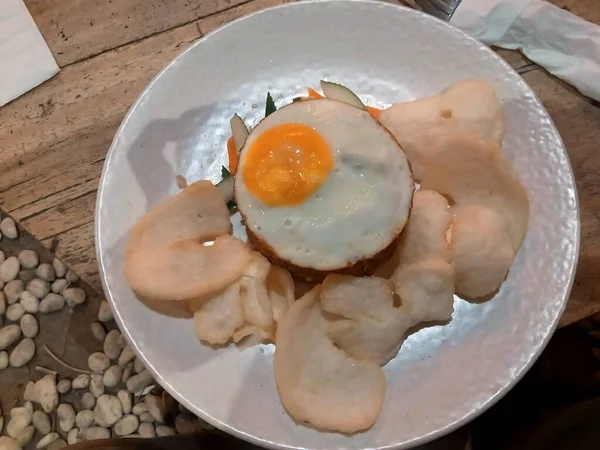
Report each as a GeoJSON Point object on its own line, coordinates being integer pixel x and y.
{"type": "Point", "coordinates": [25, 59]}
{"type": "Point", "coordinates": [564, 44]}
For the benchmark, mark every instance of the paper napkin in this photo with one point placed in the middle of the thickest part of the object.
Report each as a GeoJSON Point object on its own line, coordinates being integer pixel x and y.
{"type": "Point", "coordinates": [25, 59]}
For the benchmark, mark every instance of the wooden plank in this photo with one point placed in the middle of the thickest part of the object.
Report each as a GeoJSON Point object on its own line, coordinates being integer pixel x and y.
{"type": "Point", "coordinates": [211, 23]}
{"type": "Point", "coordinates": [578, 121]}
{"type": "Point", "coordinates": [56, 136]}
{"type": "Point", "coordinates": [75, 212]}
{"type": "Point", "coordinates": [78, 29]}
{"type": "Point", "coordinates": [586, 9]}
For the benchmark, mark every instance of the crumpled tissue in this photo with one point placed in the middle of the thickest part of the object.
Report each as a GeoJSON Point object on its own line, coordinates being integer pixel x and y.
{"type": "Point", "coordinates": [564, 44]}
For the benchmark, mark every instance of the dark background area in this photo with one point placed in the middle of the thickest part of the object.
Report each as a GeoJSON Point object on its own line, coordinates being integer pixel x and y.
{"type": "Point", "coordinates": [556, 406]}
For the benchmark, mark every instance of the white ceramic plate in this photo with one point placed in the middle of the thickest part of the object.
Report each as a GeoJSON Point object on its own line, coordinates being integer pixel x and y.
{"type": "Point", "coordinates": [444, 375]}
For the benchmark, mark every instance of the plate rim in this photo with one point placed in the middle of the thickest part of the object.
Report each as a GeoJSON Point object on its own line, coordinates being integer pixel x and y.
{"type": "Point", "coordinates": [449, 428]}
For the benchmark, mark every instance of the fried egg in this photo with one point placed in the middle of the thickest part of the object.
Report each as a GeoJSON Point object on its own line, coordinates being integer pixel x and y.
{"type": "Point", "coordinates": [323, 185]}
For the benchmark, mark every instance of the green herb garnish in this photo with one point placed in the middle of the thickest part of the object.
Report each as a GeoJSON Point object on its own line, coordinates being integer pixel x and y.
{"type": "Point", "coordinates": [270, 107]}
{"type": "Point", "coordinates": [225, 173]}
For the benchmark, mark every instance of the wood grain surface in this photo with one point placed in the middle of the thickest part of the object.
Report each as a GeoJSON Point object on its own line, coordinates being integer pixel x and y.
{"type": "Point", "coordinates": [54, 139]}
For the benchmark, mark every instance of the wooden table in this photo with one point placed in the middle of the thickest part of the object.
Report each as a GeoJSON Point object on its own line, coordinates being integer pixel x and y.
{"type": "Point", "coordinates": [54, 139]}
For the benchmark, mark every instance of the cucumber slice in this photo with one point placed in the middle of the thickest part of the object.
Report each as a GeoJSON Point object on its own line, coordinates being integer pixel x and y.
{"type": "Point", "coordinates": [339, 93]}
{"type": "Point", "coordinates": [238, 131]}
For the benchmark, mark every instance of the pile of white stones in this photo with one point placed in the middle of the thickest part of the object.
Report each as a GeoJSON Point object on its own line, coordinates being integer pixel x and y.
{"type": "Point", "coordinates": [114, 397]}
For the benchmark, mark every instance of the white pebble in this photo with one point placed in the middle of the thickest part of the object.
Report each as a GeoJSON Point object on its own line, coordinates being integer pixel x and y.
{"type": "Point", "coordinates": [63, 386]}
{"type": "Point", "coordinates": [47, 394]}
{"type": "Point", "coordinates": [60, 269]}
{"type": "Point", "coordinates": [28, 259]}
{"type": "Point", "coordinates": [71, 276]}
{"type": "Point", "coordinates": [20, 418]}
{"type": "Point", "coordinates": [3, 360]}
{"type": "Point", "coordinates": [29, 326]}
{"type": "Point", "coordinates": [146, 430]}
{"type": "Point", "coordinates": [97, 385]}
{"type": "Point", "coordinates": [138, 382]}
{"type": "Point", "coordinates": [84, 419]}
{"type": "Point", "coordinates": [81, 381]}
{"type": "Point", "coordinates": [13, 290]}
{"type": "Point", "coordinates": [59, 285]}
{"type": "Point", "coordinates": [2, 303]}
{"type": "Point", "coordinates": [98, 362]}
{"type": "Point", "coordinates": [126, 356]}
{"type": "Point", "coordinates": [2, 257]}
{"type": "Point", "coordinates": [139, 408]}
{"type": "Point", "coordinates": [73, 437]}
{"type": "Point", "coordinates": [25, 436]}
{"type": "Point", "coordinates": [41, 422]}
{"type": "Point", "coordinates": [29, 394]}
{"type": "Point", "coordinates": [51, 302]}
{"type": "Point", "coordinates": [39, 288]}
{"type": "Point", "coordinates": [15, 312]}
{"type": "Point", "coordinates": [112, 376]}
{"type": "Point", "coordinates": [47, 440]}
{"type": "Point", "coordinates": [113, 344]}
{"type": "Point", "coordinates": [125, 399]}
{"type": "Point", "coordinates": [29, 302]}
{"type": "Point", "coordinates": [156, 408]}
{"type": "Point", "coordinates": [127, 425]}
{"type": "Point", "coordinates": [9, 335]}
{"type": "Point", "coordinates": [88, 400]}
{"type": "Point", "coordinates": [9, 269]}
{"type": "Point", "coordinates": [8, 443]}
{"type": "Point", "coordinates": [98, 331]}
{"type": "Point", "coordinates": [163, 430]}
{"type": "Point", "coordinates": [138, 365]}
{"type": "Point", "coordinates": [22, 353]}
{"type": "Point", "coordinates": [74, 296]}
{"type": "Point", "coordinates": [127, 373]}
{"type": "Point", "coordinates": [94, 433]}
{"type": "Point", "coordinates": [66, 417]}
{"type": "Point", "coordinates": [105, 313]}
{"type": "Point", "coordinates": [45, 271]}
{"type": "Point", "coordinates": [146, 417]}
{"type": "Point", "coordinates": [108, 410]}
{"type": "Point", "coordinates": [8, 227]}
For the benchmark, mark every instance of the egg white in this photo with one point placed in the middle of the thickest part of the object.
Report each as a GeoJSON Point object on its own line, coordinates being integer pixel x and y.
{"type": "Point", "coordinates": [358, 211]}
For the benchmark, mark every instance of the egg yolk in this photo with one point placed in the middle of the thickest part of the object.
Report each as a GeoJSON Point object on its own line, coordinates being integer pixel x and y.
{"type": "Point", "coordinates": [286, 164]}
